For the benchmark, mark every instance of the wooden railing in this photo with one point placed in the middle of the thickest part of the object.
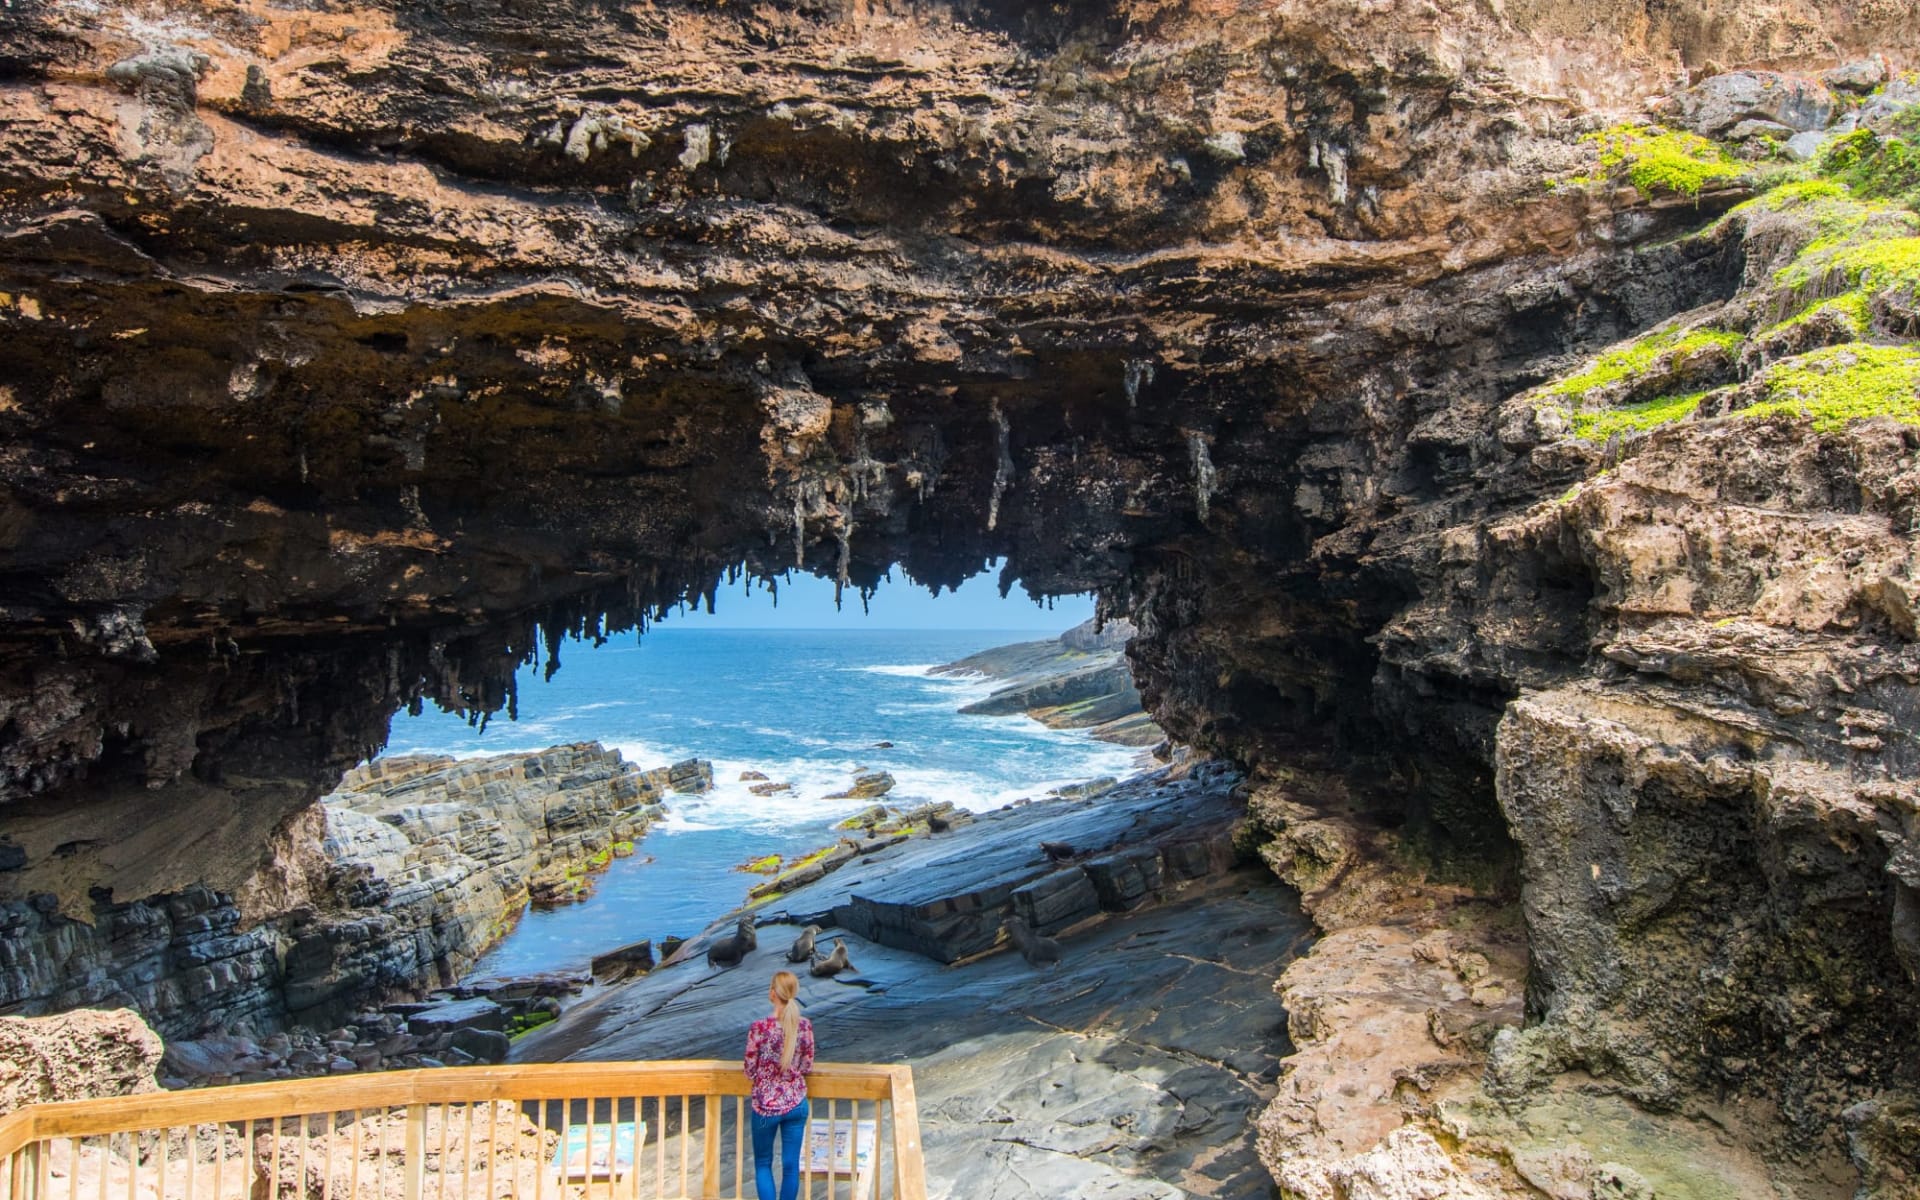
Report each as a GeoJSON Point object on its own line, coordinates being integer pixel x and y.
{"type": "Point", "coordinates": [590, 1131]}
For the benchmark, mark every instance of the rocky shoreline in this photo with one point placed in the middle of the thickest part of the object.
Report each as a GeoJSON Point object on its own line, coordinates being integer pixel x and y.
{"type": "Point", "coordinates": [1080, 680]}
{"type": "Point", "coordinates": [409, 871]}
{"type": "Point", "coordinates": [1133, 1069]}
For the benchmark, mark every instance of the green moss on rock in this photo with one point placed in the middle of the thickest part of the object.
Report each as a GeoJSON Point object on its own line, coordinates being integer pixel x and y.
{"type": "Point", "coordinates": [1632, 418]}
{"type": "Point", "coordinates": [1638, 358]}
{"type": "Point", "coordinates": [1839, 384]}
{"type": "Point", "coordinates": [1656, 159]}
{"type": "Point", "coordinates": [1854, 309]}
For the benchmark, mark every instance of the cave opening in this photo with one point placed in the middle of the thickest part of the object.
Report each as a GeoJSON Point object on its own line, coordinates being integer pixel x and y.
{"type": "Point", "coordinates": [802, 707]}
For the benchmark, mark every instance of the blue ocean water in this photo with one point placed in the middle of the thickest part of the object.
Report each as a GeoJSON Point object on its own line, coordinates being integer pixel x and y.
{"type": "Point", "coordinates": [802, 706]}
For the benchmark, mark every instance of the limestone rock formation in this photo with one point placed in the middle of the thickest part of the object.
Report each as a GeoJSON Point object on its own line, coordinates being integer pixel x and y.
{"type": "Point", "coordinates": [75, 1056]}
{"type": "Point", "coordinates": [357, 354]}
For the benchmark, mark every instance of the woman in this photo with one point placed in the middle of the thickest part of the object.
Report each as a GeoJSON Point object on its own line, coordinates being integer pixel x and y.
{"type": "Point", "coordinates": [779, 1055]}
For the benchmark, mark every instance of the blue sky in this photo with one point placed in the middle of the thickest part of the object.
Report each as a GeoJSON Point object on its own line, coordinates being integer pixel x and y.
{"type": "Point", "coordinates": [806, 602]}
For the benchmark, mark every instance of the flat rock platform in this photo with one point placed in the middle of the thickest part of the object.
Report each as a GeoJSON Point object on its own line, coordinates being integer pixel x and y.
{"type": "Point", "coordinates": [1132, 1069]}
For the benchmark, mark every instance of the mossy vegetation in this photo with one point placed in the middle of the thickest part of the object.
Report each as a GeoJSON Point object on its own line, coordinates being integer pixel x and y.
{"type": "Point", "coordinates": [1838, 384]}
{"type": "Point", "coordinates": [1655, 159]}
{"type": "Point", "coordinates": [1633, 418]}
{"type": "Point", "coordinates": [527, 1022]}
{"type": "Point", "coordinates": [769, 865]}
{"type": "Point", "coordinates": [1639, 358]}
{"type": "Point", "coordinates": [1875, 167]}
{"type": "Point", "coordinates": [1854, 214]}
{"type": "Point", "coordinates": [1853, 309]}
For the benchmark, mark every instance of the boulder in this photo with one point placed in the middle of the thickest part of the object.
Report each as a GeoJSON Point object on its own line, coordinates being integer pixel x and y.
{"type": "Point", "coordinates": [1860, 75]}
{"type": "Point", "coordinates": [632, 958]}
{"type": "Point", "coordinates": [1717, 105]}
{"type": "Point", "coordinates": [752, 776]}
{"type": "Point", "coordinates": [76, 1055]}
{"type": "Point", "coordinates": [208, 1057]}
{"type": "Point", "coordinates": [1804, 147]}
{"type": "Point", "coordinates": [1878, 112]}
{"type": "Point", "coordinates": [769, 789]}
{"type": "Point", "coordinates": [457, 1014]}
{"type": "Point", "coordinates": [486, 1045]}
{"type": "Point", "coordinates": [868, 785]}
{"type": "Point", "coordinates": [692, 775]}
{"type": "Point", "coordinates": [1747, 131]}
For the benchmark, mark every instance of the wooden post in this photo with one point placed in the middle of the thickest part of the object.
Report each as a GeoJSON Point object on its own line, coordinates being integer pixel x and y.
{"type": "Point", "coordinates": [414, 1164]}
{"type": "Point", "coordinates": [710, 1173]}
{"type": "Point", "coordinates": [910, 1169]}
{"type": "Point", "coordinates": [740, 1148]}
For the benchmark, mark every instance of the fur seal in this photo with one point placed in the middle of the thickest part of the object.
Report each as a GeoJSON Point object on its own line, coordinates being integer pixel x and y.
{"type": "Point", "coordinates": [802, 948]}
{"type": "Point", "coordinates": [937, 823]}
{"type": "Point", "coordinates": [1038, 951]}
{"type": "Point", "coordinates": [728, 951]}
{"type": "Point", "coordinates": [1058, 852]}
{"type": "Point", "coordinates": [833, 964]}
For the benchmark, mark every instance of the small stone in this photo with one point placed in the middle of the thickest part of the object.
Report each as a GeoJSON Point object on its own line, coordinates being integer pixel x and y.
{"type": "Point", "coordinates": [1804, 147]}
{"type": "Point", "coordinates": [1228, 145]}
{"type": "Point", "coordinates": [1750, 129]}
{"type": "Point", "coordinates": [1612, 1181]}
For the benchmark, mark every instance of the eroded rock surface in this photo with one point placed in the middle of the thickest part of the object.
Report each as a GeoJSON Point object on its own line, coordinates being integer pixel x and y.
{"type": "Point", "coordinates": [357, 354]}
{"type": "Point", "coordinates": [74, 1056]}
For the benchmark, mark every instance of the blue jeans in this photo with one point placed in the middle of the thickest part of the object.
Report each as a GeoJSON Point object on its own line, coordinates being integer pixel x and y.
{"type": "Point", "coordinates": [792, 1125]}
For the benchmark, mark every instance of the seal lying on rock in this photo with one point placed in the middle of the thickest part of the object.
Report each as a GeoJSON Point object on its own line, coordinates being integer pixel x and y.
{"type": "Point", "coordinates": [727, 952]}
{"type": "Point", "coordinates": [1038, 951]}
{"type": "Point", "coordinates": [802, 948]}
{"type": "Point", "coordinates": [834, 963]}
{"type": "Point", "coordinates": [1057, 852]}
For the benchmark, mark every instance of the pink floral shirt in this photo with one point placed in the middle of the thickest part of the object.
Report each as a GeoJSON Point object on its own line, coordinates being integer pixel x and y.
{"type": "Point", "coordinates": [776, 1091]}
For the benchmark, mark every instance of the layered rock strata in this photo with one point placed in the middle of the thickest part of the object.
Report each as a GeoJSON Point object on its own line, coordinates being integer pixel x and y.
{"type": "Point", "coordinates": [1079, 680]}
{"type": "Point", "coordinates": [416, 866]}
{"type": "Point", "coordinates": [430, 861]}
{"type": "Point", "coordinates": [357, 354]}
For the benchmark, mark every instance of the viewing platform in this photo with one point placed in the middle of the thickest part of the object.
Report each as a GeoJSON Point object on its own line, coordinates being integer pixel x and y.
{"type": "Point", "coordinates": [572, 1131]}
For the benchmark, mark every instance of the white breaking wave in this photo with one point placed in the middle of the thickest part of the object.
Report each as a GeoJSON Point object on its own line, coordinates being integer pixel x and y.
{"type": "Point", "coordinates": [732, 805]}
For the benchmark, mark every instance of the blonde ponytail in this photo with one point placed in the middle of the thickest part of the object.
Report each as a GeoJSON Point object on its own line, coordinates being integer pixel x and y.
{"type": "Point", "coordinates": [786, 986]}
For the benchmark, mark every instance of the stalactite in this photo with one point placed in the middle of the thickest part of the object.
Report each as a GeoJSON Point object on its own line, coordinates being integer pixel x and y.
{"type": "Point", "coordinates": [1139, 373]}
{"type": "Point", "coordinates": [845, 537]}
{"type": "Point", "coordinates": [799, 529]}
{"type": "Point", "coordinates": [1204, 477]}
{"type": "Point", "coordinates": [1003, 469]}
